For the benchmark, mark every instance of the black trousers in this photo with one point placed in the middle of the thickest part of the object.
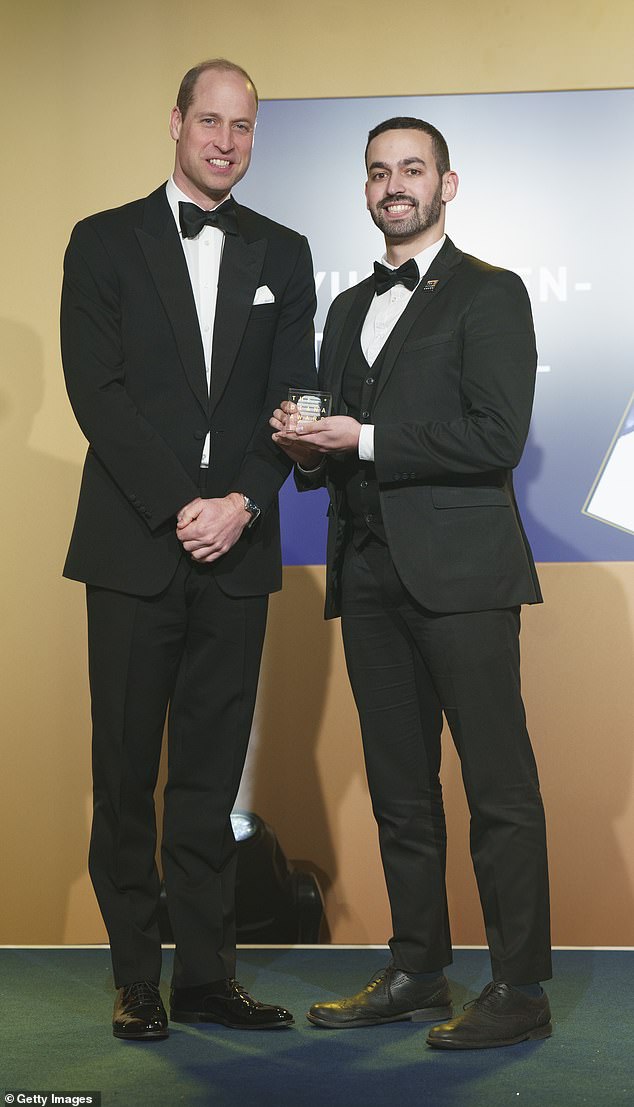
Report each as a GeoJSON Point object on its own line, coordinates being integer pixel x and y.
{"type": "Point", "coordinates": [409, 666]}
{"type": "Point", "coordinates": [198, 651]}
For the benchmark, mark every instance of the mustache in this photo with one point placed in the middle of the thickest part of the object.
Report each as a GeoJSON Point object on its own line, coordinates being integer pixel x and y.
{"type": "Point", "coordinates": [402, 198]}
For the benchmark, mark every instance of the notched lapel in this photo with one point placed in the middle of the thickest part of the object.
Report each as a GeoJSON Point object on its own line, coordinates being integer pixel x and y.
{"type": "Point", "coordinates": [239, 278]}
{"type": "Point", "coordinates": [432, 285]}
{"type": "Point", "coordinates": [158, 239]}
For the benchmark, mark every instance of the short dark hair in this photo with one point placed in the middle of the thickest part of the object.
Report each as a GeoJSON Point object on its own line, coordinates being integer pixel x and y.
{"type": "Point", "coordinates": [188, 83]}
{"type": "Point", "coordinates": [409, 123]}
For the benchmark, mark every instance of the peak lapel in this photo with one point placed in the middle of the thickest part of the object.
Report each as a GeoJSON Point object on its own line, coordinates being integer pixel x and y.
{"type": "Point", "coordinates": [240, 271]}
{"type": "Point", "coordinates": [433, 284]}
{"type": "Point", "coordinates": [350, 330]}
{"type": "Point", "coordinates": [159, 241]}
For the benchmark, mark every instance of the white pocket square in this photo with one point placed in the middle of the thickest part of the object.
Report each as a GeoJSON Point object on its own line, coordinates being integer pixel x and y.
{"type": "Point", "coordinates": [263, 295]}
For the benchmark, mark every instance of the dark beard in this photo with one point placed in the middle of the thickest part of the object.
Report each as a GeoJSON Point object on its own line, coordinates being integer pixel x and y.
{"type": "Point", "coordinates": [419, 220]}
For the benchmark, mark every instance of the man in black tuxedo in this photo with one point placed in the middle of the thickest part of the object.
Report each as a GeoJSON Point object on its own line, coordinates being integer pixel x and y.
{"type": "Point", "coordinates": [431, 363]}
{"type": "Point", "coordinates": [185, 318]}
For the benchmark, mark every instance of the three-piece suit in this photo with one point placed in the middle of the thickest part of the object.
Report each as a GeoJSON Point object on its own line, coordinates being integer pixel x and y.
{"type": "Point", "coordinates": [428, 564]}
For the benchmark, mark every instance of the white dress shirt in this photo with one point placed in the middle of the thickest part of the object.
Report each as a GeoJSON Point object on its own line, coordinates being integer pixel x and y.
{"type": "Point", "coordinates": [202, 255]}
{"type": "Point", "coordinates": [383, 315]}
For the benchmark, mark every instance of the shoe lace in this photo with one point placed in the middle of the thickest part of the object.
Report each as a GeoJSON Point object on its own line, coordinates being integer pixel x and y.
{"type": "Point", "coordinates": [142, 992]}
{"type": "Point", "coordinates": [481, 1000]}
{"type": "Point", "coordinates": [386, 972]}
{"type": "Point", "coordinates": [237, 989]}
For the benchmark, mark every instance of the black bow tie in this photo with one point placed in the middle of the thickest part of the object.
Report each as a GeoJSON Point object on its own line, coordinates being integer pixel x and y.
{"type": "Point", "coordinates": [192, 218]}
{"type": "Point", "coordinates": [385, 278]}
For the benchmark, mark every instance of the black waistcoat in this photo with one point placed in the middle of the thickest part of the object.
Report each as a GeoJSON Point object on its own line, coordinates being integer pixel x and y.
{"type": "Point", "coordinates": [361, 486]}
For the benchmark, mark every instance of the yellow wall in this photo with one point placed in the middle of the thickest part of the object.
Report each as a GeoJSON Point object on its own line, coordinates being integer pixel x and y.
{"type": "Point", "coordinates": [87, 89]}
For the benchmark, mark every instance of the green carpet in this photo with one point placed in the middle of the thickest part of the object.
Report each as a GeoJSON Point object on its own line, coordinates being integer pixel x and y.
{"type": "Point", "coordinates": [55, 1035]}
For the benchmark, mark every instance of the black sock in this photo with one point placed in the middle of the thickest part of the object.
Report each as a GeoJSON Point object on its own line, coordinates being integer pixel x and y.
{"type": "Point", "coordinates": [532, 990]}
{"type": "Point", "coordinates": [424, 977]}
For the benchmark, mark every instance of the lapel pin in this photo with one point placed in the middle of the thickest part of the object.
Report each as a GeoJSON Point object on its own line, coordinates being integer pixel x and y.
{"type": "Point", "coordinates": [430, 286]}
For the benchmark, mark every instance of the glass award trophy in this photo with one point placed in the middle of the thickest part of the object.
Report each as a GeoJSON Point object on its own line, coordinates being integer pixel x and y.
{"type": "Point", "coordinates": [311, 407]}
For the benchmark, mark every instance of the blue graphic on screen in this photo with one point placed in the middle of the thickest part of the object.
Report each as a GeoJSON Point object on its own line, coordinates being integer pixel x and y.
{"type": "Point", "coordinates": [535, 196]}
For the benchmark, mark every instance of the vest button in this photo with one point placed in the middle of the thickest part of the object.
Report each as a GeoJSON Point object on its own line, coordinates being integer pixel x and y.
{"type": "Point", "coordinates": [369, 380]}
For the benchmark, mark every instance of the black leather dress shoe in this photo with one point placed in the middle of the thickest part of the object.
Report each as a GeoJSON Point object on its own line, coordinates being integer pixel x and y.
{"type": "Point", "coordinates": [391, 996]}
{"type": "Point", "coordinates": [500, 1016]}
{"type": "Point", "coordinates": [225, 1001]}
{"type": "Point", "coordinates": [139, 1014]}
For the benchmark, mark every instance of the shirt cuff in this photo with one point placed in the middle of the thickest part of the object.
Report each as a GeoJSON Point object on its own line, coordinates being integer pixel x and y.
{"type": "Point", "coordinates": [366, 442]}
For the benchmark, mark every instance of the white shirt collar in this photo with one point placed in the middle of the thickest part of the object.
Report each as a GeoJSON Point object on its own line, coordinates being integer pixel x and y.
{"type": "Point", "coordinates": [175, 195]}
{"type": "Point", "coordinates": [424, 259]}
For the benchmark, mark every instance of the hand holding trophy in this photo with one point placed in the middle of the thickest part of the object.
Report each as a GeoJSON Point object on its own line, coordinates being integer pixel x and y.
{"type": "Point", "coordinates": [305, 429]}
{"type": "Point", "coordinates": [310, 408]}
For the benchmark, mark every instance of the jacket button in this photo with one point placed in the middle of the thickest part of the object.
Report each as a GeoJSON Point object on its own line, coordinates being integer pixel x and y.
{"type": "Point", "coordinates": [364, 484]}
{"type": "Point", "coordinates": [199, 435]}
{"type": "Point", "coordinates": [365, 414]}
{"type": "Point", "coordinates": [369, 380]}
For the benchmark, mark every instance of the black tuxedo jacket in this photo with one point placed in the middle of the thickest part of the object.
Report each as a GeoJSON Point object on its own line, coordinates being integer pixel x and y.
{"type": "Point", "coordinates": [135, 373]}
{"type": "Point", "coordinates": [451, 413]}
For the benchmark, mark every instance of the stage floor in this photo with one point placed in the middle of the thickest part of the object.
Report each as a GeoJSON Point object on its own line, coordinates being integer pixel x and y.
{"type": "Point", "coordinates": [55, 1036]}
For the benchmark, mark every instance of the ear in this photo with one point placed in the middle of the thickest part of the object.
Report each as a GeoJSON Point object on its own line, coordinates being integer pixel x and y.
{"type": "Point", "coordinates": [449, 186]}
{"type": "Point", "coordinates": [367, 202]}
{"type": "Point", "coordinates": [176, 122]}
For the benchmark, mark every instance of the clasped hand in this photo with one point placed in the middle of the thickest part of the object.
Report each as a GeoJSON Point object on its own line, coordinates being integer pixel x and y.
{"type": "Point", "coordinates": [209, 528]}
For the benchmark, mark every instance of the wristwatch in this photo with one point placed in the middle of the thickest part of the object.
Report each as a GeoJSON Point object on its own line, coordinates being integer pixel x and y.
{"type": "Point", "coordinates": [253, 509]}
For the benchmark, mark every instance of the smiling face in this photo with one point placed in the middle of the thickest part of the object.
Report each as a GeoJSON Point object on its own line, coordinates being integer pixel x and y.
{"type": "Point", "coordinates": [405, 193]}
{"type": "Point", "coordinates": [215, 137]}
